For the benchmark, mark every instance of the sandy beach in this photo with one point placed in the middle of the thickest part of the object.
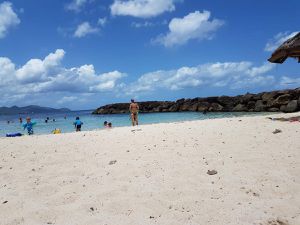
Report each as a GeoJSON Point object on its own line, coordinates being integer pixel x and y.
{"type": "Point", "coordinates": [155, 174]}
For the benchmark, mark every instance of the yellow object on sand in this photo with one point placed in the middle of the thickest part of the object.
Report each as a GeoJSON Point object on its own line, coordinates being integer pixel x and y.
{"type": "Point", "coordinates": [56, 131]}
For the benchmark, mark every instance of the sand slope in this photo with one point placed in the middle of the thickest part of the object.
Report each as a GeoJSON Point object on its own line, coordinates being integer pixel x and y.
{"type": "Point", "coordinates": [155, 175]}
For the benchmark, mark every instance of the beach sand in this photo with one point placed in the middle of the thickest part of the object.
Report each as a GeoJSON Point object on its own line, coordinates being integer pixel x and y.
{"type": "Point", "coordinates": [155, 174]}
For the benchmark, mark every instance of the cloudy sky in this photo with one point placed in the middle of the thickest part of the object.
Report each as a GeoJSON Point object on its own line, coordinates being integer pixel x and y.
{"type": "Point", "coordinates": [85, 53]}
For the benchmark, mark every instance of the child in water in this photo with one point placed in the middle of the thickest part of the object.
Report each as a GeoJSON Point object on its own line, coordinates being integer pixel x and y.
{"type": "Point", "coordinates": [29, 125]}
{"type": "Point", "coordinates": [77, 124]}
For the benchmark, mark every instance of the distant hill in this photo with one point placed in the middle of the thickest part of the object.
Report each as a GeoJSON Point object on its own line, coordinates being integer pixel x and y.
{"type": "Point", "coordinates": [30, 109]}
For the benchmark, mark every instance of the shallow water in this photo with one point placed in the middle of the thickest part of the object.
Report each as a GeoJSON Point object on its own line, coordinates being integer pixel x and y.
{"type": "Point", "coordinates": [93, 122]}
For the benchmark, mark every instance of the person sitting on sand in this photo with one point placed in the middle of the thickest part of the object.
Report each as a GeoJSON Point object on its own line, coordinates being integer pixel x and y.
{"type": "Point", "coordinates": [29, 125]}
{"type": "Point", "coordinates": [134, 109]}
{"type": "Point", "coordinates": [77, 124]}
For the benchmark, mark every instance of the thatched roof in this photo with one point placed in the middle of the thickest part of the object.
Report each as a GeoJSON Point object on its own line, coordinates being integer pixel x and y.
{"type": "Point", "coordinates": [290, 48]}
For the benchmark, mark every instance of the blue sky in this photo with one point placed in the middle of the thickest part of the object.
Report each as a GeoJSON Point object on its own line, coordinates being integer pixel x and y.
{"type": "Point", "coordinates": [85, 53]}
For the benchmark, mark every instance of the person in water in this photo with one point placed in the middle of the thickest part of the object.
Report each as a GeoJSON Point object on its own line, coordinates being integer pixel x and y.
{"type": "Point", "coordinates": [105, 124]}
{"type": "Point", "coordinates": [20, 120]}
{"type": "Point", "coordinates": [109, 125]}
{"type": "Point", "coordinates": [78, 124]}
{"type": "Point", "coordinates": [134, 109]}
{"type": "Point", "coordinates": [29, 125]}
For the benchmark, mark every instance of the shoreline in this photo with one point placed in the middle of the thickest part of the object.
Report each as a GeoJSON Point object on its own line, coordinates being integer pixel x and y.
{"type": "Point", "coordinates": [157, 174]}
{"type": "Point", "coordinates": [252, 114]}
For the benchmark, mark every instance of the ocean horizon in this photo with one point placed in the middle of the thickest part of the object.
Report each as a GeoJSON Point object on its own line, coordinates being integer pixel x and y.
{"type": "Point", "coordinates": [64, 121]}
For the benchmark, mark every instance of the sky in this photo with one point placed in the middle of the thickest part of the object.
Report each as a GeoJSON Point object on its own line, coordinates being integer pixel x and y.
{"type": "Point", "coordinates": [82, 54]}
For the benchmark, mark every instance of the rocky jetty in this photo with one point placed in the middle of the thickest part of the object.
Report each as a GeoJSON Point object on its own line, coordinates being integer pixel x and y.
{"type": "Point", "coordinates": [275, 101]}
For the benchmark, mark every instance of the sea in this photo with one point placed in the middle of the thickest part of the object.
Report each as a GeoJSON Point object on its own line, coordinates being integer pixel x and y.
{"type": "Point", "coordinates": [64, 121]}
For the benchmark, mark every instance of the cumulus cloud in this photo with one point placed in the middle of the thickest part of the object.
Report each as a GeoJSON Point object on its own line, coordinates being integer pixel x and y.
{"type": "Point", "coordinates": [196, 25]}
{"type": "Point", "coordinates": [8, 18]}
{"type": "Point", "coordinates": [37, 70]}
{"type": "Point", "coordinates": [232, 74]}
{"type": "Point", "coordinates": [141, 8]}
{"type": "Point", "coordinates": [49, 76]}
{"type": "Point", "coordinates": [278, 39]}
{"type": "Point", "coordinates": [76, 5]}
{"type": "Point", "coordinates": [85, 29]}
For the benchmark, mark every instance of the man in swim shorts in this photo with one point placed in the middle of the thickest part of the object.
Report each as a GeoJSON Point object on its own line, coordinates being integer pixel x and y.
{"type": "Point", "coordinates": [134, 109]}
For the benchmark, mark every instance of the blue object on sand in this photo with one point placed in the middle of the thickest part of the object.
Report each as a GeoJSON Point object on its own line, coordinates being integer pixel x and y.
{"type": "Point", "coordinates": [14, 135]}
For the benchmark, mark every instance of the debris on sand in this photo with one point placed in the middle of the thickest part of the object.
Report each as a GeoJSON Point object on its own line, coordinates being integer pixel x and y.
{"type": "Point", "coordinates": [112, 162]}
{"type": "Point", "coordinates": [212, 172]}
{"type": "Point", "coordinates": [276, 131]}
{"type": "Point", "coordinates": [277, 222]}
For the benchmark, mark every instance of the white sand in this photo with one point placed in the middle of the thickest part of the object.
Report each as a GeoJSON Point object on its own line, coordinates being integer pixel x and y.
{"type": "Point", "coordinates": [159, 177]}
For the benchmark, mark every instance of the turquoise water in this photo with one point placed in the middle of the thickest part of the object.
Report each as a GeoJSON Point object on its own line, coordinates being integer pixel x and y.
{"type": "Point", "coordinates": [93, 122]}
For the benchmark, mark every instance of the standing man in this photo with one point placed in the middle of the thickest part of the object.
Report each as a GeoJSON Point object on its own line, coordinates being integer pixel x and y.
{"type": "Point", "coordinates": [134, 109]}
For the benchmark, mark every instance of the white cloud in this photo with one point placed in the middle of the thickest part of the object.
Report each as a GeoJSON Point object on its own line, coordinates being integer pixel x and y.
{"type": "Point", "coordinates": [37, 70]}
{"type": "Point", "coordinates": [48, 76]}
{"type": "Point", "coordinates": [234, 75]}
{"type": "Point", "coordinates": [8, 18]}
{"type": "Point", "coordinates": [76, 5]}
{"type": "Point", "coordinates": [141, 8]}
{"type": "Point", "coordinates": [66, 99]}
{"type": "Point", "coordinates": [102, 21]}
{"type": "Point", "coordinates": [289, 81]}
{"type": "Point", "coordinates": [146, 24]}
{"type": "Point", "coordinates": [84, 29]}
{"type": "Point", "coordinates": [278, 39]}
{"type": "Point", "coordinates": [196, 25]}
{"type": "Point", "coordinates": [254, 71]}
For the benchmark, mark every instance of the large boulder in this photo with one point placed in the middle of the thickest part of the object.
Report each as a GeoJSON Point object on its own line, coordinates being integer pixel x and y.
{"type": "Point", "coordinates": [292, 106]}
{"type": "Point", "coordinates": [260, 106]}
{"type": "Point", "coordinates": [269, 96]}
{"type": "Point", "coordinates": [246, 98]}
{"type": "Point", "coordinates": [283, 99]}
{"type": "Point", "coordinates": [215, 107]}
{"type": "Point", "coordinates": [273, 110]}
{"type": "Point", "coordinates": [194, 107]}
{"type": "Point", "coordinates": [203, 106]}
{"type": "Point", "coordinates": [240, 108]}
{"type": "Point", "coordinates": [174, 108]}
{"type": "Point", "coordinates": [251, 105]}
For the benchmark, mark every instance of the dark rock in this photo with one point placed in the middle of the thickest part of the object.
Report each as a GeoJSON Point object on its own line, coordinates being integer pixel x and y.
{"type": "Point", "coordinates": [240, 108]}
{"type": "Point", "coordinates": [292, 106]}
{"type": "Point", "coordinates": [4, 202]}
{"type": "Point", "coordinates": [260, 106]}
{"type": "Point", "coordinates": [212, 172]}
{"type": "Point", "coordinates": [273, 110]}
{"type": "Point", "coordinates": [269, 95]}
{"type": "Point", "coordinates": [283, 108]}
{"type": "Point", "coordinates": [251, 105]}
{"type": "Point", "coordinates": [215, 107]}
{"type": "Point", "coordinates": [203, 106]}
{"type": "Point", "coordinates": [246, 98]}
{"type": "Point", "coordinates": [112, 162]}
{"type": "Point", "coordinates": [283, 99]}
{"type": "Point", "coordinates": [276, 131]}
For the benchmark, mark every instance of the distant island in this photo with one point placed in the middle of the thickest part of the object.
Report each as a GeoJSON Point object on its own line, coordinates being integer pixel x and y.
{"type": "Point", "coordinates": [30, 109]}
{"type": "Point", "coordinates": [274, 101]}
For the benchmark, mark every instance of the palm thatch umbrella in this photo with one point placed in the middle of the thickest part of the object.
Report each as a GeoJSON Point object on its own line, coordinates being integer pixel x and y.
{"type": "Point", "coordinates": [290, 48]}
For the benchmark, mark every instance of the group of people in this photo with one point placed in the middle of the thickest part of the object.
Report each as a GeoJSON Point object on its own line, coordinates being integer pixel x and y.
{"type": "Point", "coordinates": [133, 108]}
